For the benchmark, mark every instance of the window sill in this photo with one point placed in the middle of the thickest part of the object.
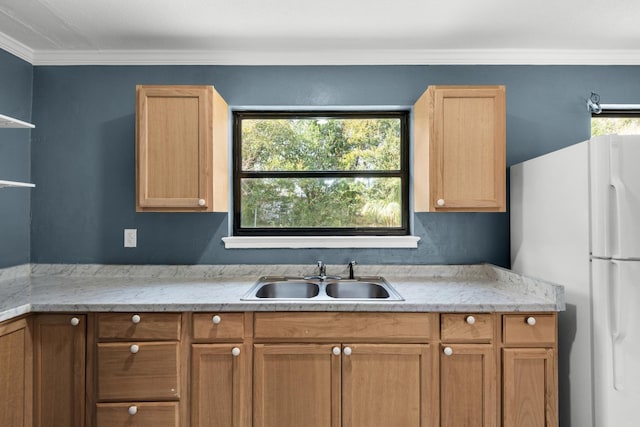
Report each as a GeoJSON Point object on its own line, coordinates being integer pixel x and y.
{"type": "Point", "coordinates": [299, 242]}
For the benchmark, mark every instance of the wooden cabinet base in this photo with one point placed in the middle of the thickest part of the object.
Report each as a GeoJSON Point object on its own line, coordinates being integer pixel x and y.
{"type": "Point", "coordinates": [280, 370]}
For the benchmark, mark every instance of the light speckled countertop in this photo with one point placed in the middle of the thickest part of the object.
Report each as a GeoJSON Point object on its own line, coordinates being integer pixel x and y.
{"type": "Point", "coordinates": [89, 287]}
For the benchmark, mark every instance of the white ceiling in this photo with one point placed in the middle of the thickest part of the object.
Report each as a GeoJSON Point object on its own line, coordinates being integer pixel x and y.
{"type": "Point", "coordinates": [321, 32]}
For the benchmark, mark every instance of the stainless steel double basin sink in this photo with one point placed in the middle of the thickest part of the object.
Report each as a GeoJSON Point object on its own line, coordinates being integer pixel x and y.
{"type": "Point", "coordinates": [329, 289]}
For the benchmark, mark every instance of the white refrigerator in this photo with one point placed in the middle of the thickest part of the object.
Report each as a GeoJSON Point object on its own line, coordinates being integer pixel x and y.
{"type": "Point", "coordinates": [575, 220]}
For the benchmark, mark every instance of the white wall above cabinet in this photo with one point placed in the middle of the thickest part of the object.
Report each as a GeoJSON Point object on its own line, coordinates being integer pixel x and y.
{"type": "Point", "coordinates": [10, 122]}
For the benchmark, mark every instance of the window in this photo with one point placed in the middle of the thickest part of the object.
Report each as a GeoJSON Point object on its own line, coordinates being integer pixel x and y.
{"type": "Point", "coordinates": [612, 123]}
{"type": "Point", "coordinates": [320, 173]}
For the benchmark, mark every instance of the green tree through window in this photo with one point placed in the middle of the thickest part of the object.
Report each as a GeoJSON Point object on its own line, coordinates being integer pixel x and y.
{"type": "Point", "coordinates": [320, 173]}
{"type": "Point", "coordinates": [615, 125]}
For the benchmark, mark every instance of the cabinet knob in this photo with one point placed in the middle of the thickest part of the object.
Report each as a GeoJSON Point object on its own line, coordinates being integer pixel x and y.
{"type": "Point", "coordinates": [135, 319]}
{"type": "Point", "coordinates": [448, 351]}
{"type": "Point", "coordinates": [216, 319]}
{"type": "Point", "coordinates": [134, 348]}
{"type": "Point", "coordinates": [347, 351]}
{"type": "Point", "coordinates": [202, 202]}
{"type": "Point", "coordinates": [336, 351]}
{"type": "Point", "coordinates": [440, 202]}
{"type": "Point", "coordinates": [133, 409]}
{"type": "Point", "coordinates": [75, 321]}
{"type": "Point", "coordinates": [531, 320]}
{"type": "Point", "coordinates": [470, 320]}
{"type": "Point", "coordinates": [235, 351]}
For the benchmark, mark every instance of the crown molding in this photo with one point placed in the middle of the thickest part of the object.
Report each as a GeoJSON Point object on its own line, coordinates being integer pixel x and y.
{"type": "Point", "coordinates": [16, 48]}
{"type": "Point", "coordinates": [329, 57]}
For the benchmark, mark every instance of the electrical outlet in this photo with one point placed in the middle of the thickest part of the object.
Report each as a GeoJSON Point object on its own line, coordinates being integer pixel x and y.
{"type": "Point", "coordinates": [130, 237]}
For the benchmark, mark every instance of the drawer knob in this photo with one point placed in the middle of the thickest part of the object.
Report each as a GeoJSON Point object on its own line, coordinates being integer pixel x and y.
{"type": "Point", "coordinates": [75, 321]}
{"type": "Point", "coordinates": [448, 351]}
{"type": "Point", "coordinates": [440, 202]}
{"type": "Point", "coordinates": [235, 351]}
{"type": "Point", "coordinates": [201, 202]}
{"type": "Point", "coordinates": [347, 351]}
{"type": "Point", "coordinates": [135, 319]}
{"type": "Point", "coordinates": [531, 321]}
{"type": "Point", "coordinates": [336, 351]}
{"type": "Point", "coordinates": [216, 319]}
{"type": "Point", "coordinates": [133, 409]}
{"type": "Point", "coordinates": [470, 320]}
{"type": "Point", "coordinates": [134, 348]}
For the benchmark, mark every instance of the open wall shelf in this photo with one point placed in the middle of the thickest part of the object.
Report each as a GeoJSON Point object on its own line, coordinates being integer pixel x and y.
{"type": "Point", "coordinates": [4, 184]}
{"type": "Point", "coordinates": [10, 122]}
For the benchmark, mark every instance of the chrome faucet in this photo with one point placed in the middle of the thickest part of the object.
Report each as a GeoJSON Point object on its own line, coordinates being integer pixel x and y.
{"type": "Point", "coordinates": [322, 269]}
{"type": "Point", "coordinates": [322, 273]}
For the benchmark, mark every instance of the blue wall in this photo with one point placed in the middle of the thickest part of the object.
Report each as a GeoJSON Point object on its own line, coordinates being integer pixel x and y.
{"type": "Point", "coordinates": [16, 77]}
{"type": "Point", "coordinates": [83, 155]}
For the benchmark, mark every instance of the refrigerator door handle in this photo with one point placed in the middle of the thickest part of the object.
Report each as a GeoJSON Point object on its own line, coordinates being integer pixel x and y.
{"type": "Point", "coordinates": [614, 298]}
{"type": "Point", "coordinates": [617, 322]}
{"type": "Point", "coordinates": [619, 191]}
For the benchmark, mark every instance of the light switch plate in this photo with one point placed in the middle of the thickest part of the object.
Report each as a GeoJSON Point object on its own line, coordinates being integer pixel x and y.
{"type": "Point", "coordinates": [130, 237]}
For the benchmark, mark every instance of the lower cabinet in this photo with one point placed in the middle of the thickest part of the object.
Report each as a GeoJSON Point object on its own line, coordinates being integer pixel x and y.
{"type": "Point", "coordinates": [219, 385]}
{"type": "Point", "coordinates": [529, 387]}
{"type": "Point", "coordinates": [16, 374]}
{"type": "Point", "coordinates": [350, 385]}
{"type": "Point", "coordinates": [139, 370]}
{"type": "Point", "coordinates": [59, 368]}
{"type": "Point", "coordinates": [279, 370]}
{"type": "Point", "coordinates": [387, 385]}
{"type": "Point", "coordinates": [529, 370]}
{"type": "Point", "coordinates": [468, 371]}
{"type": "Point", "coordinates": [296, 385]}
{"type": "Point", "coordinates": [467, 385]}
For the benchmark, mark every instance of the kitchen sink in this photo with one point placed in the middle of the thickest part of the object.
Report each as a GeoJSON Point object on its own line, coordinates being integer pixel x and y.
{"type": "Point", "coordinates": [318, 289]}
{"type": "Point", "coordinates": [287, 289]}
{"type": "Point", "coordinates": [356, 289]}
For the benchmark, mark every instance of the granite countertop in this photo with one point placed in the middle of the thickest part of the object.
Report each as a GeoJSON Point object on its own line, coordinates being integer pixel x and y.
{"type": "Point", "coordinates": [93, 288]}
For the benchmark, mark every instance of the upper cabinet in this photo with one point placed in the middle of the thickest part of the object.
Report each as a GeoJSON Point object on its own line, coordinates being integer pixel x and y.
{"type": "Point", "coordinates": [460, 149]}
{"type": "Point", "coordinates": [7, 122]}
{"type": "Point", "coordinates": [181, 149]}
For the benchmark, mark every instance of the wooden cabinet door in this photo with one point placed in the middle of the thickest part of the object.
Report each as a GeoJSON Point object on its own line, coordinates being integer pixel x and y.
{"type": "Point", "coordinates": [467, 386]}
{"type": "Point", "coordinates": [387, 385]}
{"type": "Point", "coordinates": [460, 149]}
{"type": "Point", "coordinates": [296, 385]}
{"type": "Point", "coordinates": [529, 387]}
{"type": "Point", "coordinates": [175, 153]}
{"type": "Point", "coordinates": [59, 359]}
{"type": "Point", "coordinates": [16, 378]}
{"type": "Point", "coordinates": [220, 383]}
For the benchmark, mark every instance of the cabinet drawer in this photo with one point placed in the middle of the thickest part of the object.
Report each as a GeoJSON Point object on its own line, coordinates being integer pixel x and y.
{"type": "Point", "coordinates": [156, 414]}
{"type": "Point", "coordinates": [352, 327]}
{"type": "Point", "coordinates": [518, 330]}
{"type": "Point", "coordinates": [151, 373]}
{"type": "Point", "coordinates": [467, 327]}
{"type": "Point", "coordinates": [218, 326]}
{"type": "Point", "coordinates": [139, 326]}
